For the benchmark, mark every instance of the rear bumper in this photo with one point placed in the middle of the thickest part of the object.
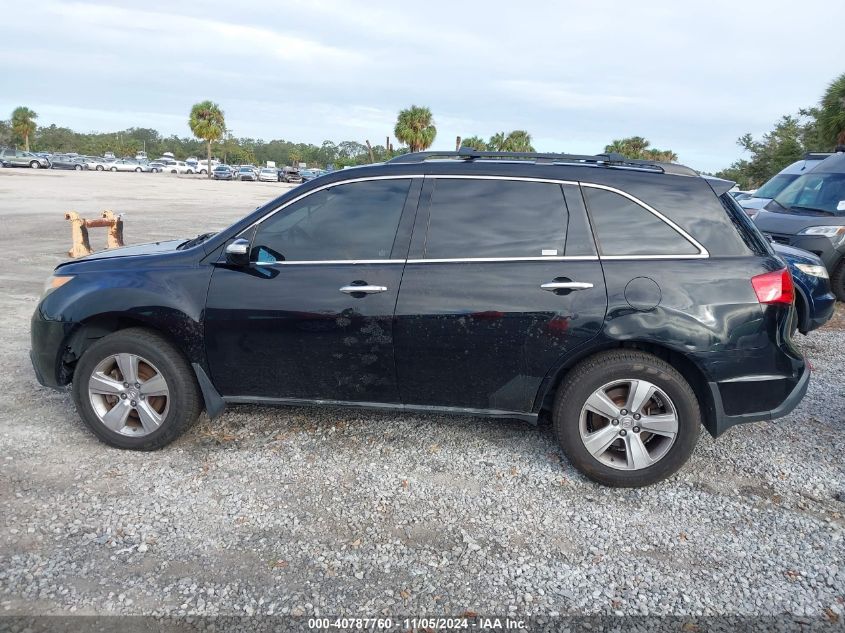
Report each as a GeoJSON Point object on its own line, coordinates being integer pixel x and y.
{"type": "Point", "coordinates": [752, 388]}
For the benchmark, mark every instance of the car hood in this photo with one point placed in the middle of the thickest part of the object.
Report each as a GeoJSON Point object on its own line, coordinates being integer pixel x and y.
{"type": "Point", "coordinates": [793, 223]}
{"type": "Point", "coordinates": [754, 203]}
{"type": "Point", "coordinates": [796, 255]}
{"type": "Point", "coordinates": [153, 248]}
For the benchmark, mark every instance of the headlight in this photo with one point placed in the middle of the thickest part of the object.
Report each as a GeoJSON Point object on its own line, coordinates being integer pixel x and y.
{"type": "Point", "coordinates": [813, 270]}
{"type": "Point", "coordinates": [56, 281]}
{"type": "Point", "coordinates": [827, 231]}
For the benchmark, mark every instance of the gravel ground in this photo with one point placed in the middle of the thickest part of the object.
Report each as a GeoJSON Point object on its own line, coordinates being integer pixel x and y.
{"type": "Point", "coordinates": [324, 511]}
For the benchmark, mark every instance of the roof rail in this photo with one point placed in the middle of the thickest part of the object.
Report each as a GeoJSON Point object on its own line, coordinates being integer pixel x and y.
{"type": "Point", "coordinates": [609, 160]}
{"type": "Point", "coordinates": [816, 155]}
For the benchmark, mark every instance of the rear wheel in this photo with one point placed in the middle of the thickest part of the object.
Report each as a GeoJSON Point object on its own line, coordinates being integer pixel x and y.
{"type": "Point", "coordinates": [135, 390]}
{"type": "Point", "coordinates": [78, 168]}
{"type": "Point", "coordinates": [137, 169]}
{"type": "Point", "coordinates": [837, 281]}
{"type": "Point", "coordinates": [99, 168]}
{"type": "Point", "coordinates": [626, 418]}
{"type": "Point", "coordinates": [113, 169]}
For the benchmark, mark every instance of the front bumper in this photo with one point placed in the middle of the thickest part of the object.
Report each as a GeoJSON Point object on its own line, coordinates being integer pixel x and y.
{"type": "Point", "coordinates": [786, 393]}
{"type": "Point", "coordinates": [48, 339]}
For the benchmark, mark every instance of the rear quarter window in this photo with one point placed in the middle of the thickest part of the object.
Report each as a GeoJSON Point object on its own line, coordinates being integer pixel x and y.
{"type": "Point", "coordinates": [625, 228]}
{"type": "Point", "coordinates": [747, 230]}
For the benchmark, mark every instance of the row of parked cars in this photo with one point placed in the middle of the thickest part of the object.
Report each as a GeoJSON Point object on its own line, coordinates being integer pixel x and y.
{"type": "Point", "coordinates": [165, 164]}
{"type": "Point", "coordinates": [264, 174]}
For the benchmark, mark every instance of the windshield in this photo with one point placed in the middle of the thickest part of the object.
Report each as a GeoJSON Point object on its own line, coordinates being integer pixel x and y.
{"type": "Point", "coordinates": [775, 185]}
{"type": "Point", "coordinates": [815, 191]}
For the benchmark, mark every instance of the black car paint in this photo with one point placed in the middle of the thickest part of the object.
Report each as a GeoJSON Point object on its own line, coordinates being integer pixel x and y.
{"type": "Point", "coordinates": [463, 337]}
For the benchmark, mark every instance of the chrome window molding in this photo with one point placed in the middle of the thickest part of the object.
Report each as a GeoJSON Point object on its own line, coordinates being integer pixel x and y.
{"type": "Point", "coordinates": [702, 254]}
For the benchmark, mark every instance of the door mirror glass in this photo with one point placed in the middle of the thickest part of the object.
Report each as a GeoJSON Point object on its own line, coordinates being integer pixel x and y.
{"type": "Point", "coordinates": [237, 253]}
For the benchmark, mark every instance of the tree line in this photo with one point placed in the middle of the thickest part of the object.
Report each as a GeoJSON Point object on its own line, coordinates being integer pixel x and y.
{"type": "Point", "coordinates": [817, 128]}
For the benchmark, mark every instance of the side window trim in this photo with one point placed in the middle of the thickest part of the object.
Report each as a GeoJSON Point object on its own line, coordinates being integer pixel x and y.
{"type": "Point", "coordinates": [703, 253]}
{"type": "Point", "coordinates": [252, 229]}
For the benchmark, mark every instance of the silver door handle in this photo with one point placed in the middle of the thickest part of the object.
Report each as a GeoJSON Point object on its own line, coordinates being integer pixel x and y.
{"type": "Point", "coordinates": [566, 285]}
{"type": "Point", "coordinates": [367, 290]}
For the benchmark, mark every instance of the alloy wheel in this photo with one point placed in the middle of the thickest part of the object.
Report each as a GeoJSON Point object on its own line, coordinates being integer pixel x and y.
{"type": "Point", "coordinates": [628, 424]}
{"type": "Point", "coordinates": [129, 395]}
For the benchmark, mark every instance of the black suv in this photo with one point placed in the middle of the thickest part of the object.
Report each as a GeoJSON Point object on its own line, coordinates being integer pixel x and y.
{"type": "Point", "coordinates": [628, 301]}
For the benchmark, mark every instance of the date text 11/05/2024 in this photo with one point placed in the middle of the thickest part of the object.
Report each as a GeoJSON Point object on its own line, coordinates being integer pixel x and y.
{"type": "Point", "coordinates": [375, 624]}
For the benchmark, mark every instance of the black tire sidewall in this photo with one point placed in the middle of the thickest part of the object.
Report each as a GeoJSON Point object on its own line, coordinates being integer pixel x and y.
{"type": "Point", "coordinates": [176, 371]}
{"type": "Point", "coordinates": [567, 420]}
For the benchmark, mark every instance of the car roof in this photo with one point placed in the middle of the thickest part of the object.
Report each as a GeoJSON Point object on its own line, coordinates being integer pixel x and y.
{"type": "Point", "coordinates": [834, 164]}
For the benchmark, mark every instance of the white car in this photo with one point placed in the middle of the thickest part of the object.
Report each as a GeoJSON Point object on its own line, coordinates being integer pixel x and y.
{"type": "Point", "coordinates": [180, 167]}
{"type": "Point", "coordinates": [268, 174]}
{"type": "Point", "coordinates": [124, 164]}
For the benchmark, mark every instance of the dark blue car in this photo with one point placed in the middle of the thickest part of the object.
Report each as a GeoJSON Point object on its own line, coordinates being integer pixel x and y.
{"type": "Point", "coordinates": [814, 301]}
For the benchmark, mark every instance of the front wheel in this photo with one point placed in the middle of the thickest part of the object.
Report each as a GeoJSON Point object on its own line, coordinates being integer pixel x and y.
{"type": "Point", "coordinates": [113, 169]}
{"type": "Point", "coordinates": [78, 168]}
{"type": "Point", "coordinates": [626, 418]}
{"type": "Point", "coordinates": [134, 390]}
{"type": "Point", "coordinates": [35, 164]}
{"type": "Point", "coordinates": [99, 168]}
{"type": "Point", "coordinates": [138, 170]}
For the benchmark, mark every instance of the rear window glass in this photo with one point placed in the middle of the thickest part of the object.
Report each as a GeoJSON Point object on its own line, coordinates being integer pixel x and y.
{"type": "Point", "coordinates": [625, 228]}
{"type": "Point", "coordinates": [495, 218]}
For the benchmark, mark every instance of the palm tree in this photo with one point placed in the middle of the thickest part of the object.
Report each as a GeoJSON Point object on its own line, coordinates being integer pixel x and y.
{"type": "Point", "coordinates": [415, 128]}
{"type": "Point", "coordinates": [23, 124]}
{"type": "Point", "coordinates": [208, 124]}
{"type": "Point", "coordinates": [518, 141]}
{"type": "Point", "coordinates": [831, 114]}
{"type": "Point", "coordinates": [474, 142]}
{"type": "Point", "coordinates": [497, 142]}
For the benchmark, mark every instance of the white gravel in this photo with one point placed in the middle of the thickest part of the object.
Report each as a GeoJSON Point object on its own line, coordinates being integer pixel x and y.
{"type": "Point", "coordinates": [324, 511]}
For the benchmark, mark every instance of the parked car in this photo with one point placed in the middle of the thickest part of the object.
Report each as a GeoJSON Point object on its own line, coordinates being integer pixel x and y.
{"type": "Point", "coordinates": [289, 174]}
{"type": "Point", "coordinates": [20, 158]}
{"type": "Point", "coordinates": [109, 156]}
{"type": "Point", "coordinates": [814, 301]}
{"type": "Point", "coordinates": [222, 172]}
{"type": "Point", "coordinates": [779, 182]}
{"type": "Point", "coordinates": [157, 167]}
{"type": "Point", "coordinates": [179, 167]}
{"type": "Point", "coordinates": [268, 174]}
{"type": "Point", "coordinates": [61, 161]}
{"type": "Point", "coordinates": [126, 164]}
{"type": "Point", "coordinates": [810, 214]}
{"type": "Point", "coordinates": [95, 163]}
{"type": "Point", "coordinates": [311, 174]}
{"type": "Point", "coordinates": [627, 300]}
{"type": "Point", "coordinates": [247, 172]}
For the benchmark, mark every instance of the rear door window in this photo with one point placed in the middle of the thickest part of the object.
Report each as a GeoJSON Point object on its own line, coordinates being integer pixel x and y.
{"type": "Point", "coordinates": [625, 228]}
{"type": "Point", "coordinates": [480, 218]}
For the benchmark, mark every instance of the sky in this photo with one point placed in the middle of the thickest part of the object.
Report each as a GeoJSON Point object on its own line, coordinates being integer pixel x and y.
{"type": "Point", "coordinates": [688, 76]}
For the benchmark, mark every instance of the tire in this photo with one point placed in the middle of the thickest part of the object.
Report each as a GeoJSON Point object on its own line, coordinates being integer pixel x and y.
{"type": "Point", "coordinates": [837, 281]}
{"type": "Point", "coordinates": [35, 164]}
{"type": "Point", "coordinates": [99, 168]}
{"type": "Point", "coordinates": [137, 170]}
{"type": "Point", "coordinates": [113, 169]}
{"type": "Point", "coordinates": [179, 408]}
{"type": "Point", "coordinates": [78, 168]}
{"type": "Point", "coordinates": [609, 373]}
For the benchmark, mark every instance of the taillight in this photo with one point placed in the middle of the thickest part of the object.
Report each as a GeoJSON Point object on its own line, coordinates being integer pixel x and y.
{"type": "Point", "coordinates": [774, 287]}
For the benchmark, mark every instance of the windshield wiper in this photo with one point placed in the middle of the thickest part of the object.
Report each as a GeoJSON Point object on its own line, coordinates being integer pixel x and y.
{"type": "Point", "coordinates": [814, 209]}
{"type": "Point", "coordinates": [194, 241]}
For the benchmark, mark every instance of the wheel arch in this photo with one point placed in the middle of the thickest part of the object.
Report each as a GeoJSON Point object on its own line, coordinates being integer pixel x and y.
{"type": "Point", "coordinates": [691, 372]}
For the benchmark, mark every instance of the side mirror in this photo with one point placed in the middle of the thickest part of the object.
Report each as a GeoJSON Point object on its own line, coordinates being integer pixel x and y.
{"type": "Point", "coordinates": [237, 253]}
